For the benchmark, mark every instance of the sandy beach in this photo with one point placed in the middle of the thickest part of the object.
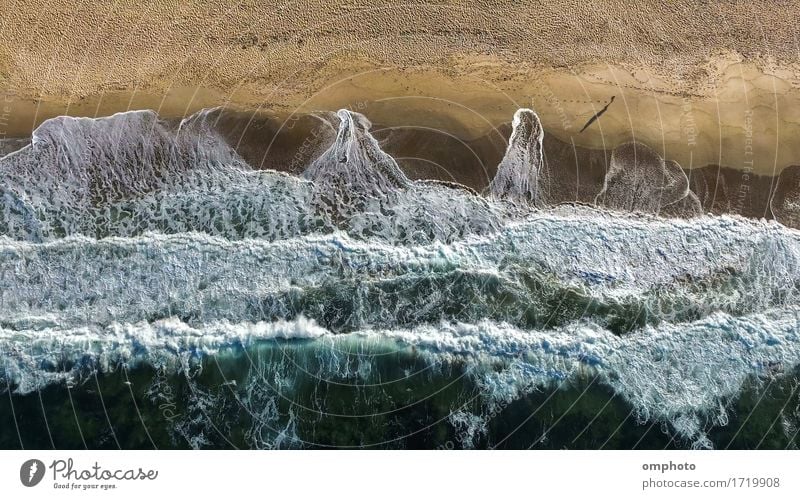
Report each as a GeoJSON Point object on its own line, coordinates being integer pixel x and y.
{"type": "Point", "coordinates": [692, 80]}
{"type": "Point", "coordinates": [392, 225]}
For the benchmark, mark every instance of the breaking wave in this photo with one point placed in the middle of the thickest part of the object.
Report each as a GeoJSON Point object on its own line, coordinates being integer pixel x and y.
{"type": "Point", "coordinates": [130, 242]}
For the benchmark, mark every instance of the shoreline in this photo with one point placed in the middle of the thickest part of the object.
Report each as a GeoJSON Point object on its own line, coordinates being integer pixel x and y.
{"type": "Point", "coordinates": [702, 83]}
{"type": "Point", "coordinates": [749, 123]}
{"type": "Point", "coordinates": [571, 173]}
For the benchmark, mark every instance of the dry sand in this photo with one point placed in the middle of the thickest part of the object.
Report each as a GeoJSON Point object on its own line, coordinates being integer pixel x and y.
{"type": "Point", "coordinates": [701, 82]}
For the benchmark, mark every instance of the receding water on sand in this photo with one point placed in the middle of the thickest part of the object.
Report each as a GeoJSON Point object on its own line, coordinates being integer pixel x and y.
{"type": "Point", "coordinates": [158, 290]}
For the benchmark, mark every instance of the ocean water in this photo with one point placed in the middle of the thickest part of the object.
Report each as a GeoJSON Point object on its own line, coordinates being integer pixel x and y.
{"type": "Point", "coordinates": [156, 291]}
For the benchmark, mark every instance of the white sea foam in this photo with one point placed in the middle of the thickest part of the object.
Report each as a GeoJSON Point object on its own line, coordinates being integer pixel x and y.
{"type": "Point", "coordinates": [127, 240]}
{"type": "Point", "coordinates": [519, 174]}
{"type": "Point", "coordinates": [132, 173]}
{"type": "Point", "coordinates": [81, 302]}
{"type": "Point", "coordinates": [363, 191]}
{"type": "Point", "coordinates": [720, 263]}
{"type": "Point", "coordinates": [638, 179]}
{"type": "Point", "coordinates": [682, 374]}
{"type": "Point", "coordinates": [30, 358]}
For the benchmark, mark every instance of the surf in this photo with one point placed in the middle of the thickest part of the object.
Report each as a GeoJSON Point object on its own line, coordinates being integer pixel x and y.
{"type": "Point", "coordinates": [131, 244]}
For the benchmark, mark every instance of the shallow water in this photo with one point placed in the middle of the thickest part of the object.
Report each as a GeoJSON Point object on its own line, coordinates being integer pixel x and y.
{"type": "Point", "coordinates": [157, 291]}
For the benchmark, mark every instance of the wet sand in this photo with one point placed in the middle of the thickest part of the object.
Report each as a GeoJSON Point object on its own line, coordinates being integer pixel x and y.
{"type": "Point", "coordinates": [703, 83]}
{"type": "Point", "coordinates": [750, 123]}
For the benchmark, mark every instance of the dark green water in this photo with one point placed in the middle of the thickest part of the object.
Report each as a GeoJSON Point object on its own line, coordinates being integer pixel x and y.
{"type": "Point", "coordinates": [157, 291]}
{"type": "Point", "coordinates": [286, 394]}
